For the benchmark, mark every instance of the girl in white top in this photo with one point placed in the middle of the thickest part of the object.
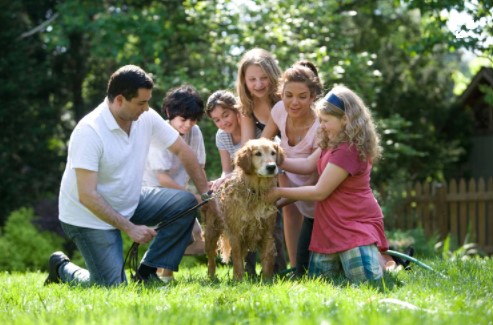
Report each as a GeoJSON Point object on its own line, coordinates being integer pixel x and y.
{"type": "Point", "coordinates": [222, 108]}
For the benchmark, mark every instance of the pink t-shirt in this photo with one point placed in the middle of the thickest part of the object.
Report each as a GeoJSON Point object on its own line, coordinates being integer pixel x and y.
{"type": "Point", "coordinates": [350, 216]}
{"type": "Point", "coordinates": [302, 149]}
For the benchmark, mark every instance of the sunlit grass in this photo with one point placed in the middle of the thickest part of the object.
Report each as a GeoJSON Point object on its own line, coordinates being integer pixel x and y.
{"type": "Point", "coordinates": [418, 296]}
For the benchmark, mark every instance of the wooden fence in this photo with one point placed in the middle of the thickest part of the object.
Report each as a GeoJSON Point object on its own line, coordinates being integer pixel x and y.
{"type": "Point", "coordinates": [462, 209]}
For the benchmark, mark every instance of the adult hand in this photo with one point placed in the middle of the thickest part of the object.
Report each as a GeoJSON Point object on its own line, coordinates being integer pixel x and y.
{"type": "Point", "coordinates": [273, 195]}
{"type": "Point", "coordinates": [283, 202]}
{"type": "Point", "coordinates": [141, 234]}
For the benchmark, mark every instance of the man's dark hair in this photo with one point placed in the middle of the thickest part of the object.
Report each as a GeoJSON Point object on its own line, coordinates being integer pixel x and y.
{"type": "Point", "coordinates": [183, 101]}
{"type": "Point", "coordinates": [127, 81]}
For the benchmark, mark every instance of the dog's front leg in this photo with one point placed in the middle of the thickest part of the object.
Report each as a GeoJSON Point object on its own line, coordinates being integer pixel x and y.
{"type": "Point", "coordinates": [268, 255]}
{"type": "Point", "coordinates": [238, 257]}
{"type": "Point", "coordinates": [211, 237]}
{"type": "Point", "coordinates": [211, 251]}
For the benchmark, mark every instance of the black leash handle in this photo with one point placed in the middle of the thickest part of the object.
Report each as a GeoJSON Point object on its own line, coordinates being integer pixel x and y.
{"type": "Point", "coordinates": [133, 253]}
{"type": "Point", "coordinates": [163, 224]}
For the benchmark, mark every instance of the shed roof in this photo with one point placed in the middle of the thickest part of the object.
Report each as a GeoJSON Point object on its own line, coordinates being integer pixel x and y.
{"type": "Point", "coordinates": [484, 76]}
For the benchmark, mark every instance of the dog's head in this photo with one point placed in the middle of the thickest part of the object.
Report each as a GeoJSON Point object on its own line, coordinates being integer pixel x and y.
{"type": "Point", "coordinates": [260, 157]}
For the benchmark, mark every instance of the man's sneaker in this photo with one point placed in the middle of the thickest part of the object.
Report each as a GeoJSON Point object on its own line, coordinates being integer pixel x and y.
{"type": "Point", "coordinates": [57, 259]}
{"type": "Point", "coordinates": [152, 280]}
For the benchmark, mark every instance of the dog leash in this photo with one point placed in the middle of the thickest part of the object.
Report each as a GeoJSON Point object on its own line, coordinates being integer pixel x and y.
{"type": "Point", "coordinates": [133, 253]}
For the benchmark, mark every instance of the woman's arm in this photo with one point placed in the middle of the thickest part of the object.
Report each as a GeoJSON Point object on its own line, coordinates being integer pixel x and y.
{"type": "Point", "coordinates": [247, 129]}
{"type": "Point", "coordinates": [270, 130]}
{"type": "Point", "coordinates": [330, 179]}
{"type": "Point", "coordinates": [303, 166]}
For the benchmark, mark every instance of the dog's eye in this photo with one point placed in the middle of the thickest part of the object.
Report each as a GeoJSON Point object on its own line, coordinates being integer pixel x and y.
{"type": "Point", "coordinates": [258, 154]}
{"type": "Point", "coordinates": [273, 153]}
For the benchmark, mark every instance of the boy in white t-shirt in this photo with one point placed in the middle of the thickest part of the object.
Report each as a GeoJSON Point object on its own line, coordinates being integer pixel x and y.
{"type": "Point", "coordinates": [183, 108]}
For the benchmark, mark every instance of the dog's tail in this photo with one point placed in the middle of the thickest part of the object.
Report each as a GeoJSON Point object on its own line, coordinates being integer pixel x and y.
{"type": "Point", "coordinates": [225, 249]}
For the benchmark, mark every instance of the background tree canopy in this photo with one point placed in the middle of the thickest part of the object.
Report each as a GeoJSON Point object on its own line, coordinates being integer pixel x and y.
{"type": "Point", "coordinates": [56, 57]}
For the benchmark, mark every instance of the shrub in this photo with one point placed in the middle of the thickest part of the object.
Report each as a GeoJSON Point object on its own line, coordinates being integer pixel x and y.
{"type": "Point", "coordinates": [23, 246]}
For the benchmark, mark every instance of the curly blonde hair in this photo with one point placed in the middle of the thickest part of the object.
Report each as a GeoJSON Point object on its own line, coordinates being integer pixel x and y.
{"type": "Point", "coordinates": [268, 64]}
{"type": "Point", "coordinates": [359, 130]}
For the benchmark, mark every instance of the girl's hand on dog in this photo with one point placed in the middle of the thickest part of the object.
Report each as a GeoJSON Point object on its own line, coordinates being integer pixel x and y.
{"type": "Point", "coordinates": [215, 185]}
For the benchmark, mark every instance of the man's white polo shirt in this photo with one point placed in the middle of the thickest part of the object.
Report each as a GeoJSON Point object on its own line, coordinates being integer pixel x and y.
{"type": "Point", "coordinates": [99, 144]}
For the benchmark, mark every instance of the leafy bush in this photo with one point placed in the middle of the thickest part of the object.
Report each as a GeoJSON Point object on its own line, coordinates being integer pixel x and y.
{"type": "Point", "coordinates": [423, 246]}
{"type": "Point", "coordinates": [23, 246]}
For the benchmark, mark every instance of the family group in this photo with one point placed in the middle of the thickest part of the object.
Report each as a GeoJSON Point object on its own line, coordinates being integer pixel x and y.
{"type": "Point", "coordinates": [128, 169]}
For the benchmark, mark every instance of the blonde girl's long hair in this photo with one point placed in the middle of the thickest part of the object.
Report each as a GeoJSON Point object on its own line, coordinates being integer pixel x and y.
{"type": "Point", "coordinates": [268, 64]}
{"type": "Point", "coordinates": [360, 130]}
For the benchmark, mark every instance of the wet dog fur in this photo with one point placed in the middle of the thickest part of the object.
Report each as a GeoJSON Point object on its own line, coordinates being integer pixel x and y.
{"type": "Point", "coordinates": [246, 221]}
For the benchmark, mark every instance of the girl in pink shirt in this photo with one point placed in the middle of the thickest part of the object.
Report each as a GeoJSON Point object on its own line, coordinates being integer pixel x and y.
{"type": "Point", "coordinates": [348, 232]}
{"type": "Point", "coordinates": [294, 119]}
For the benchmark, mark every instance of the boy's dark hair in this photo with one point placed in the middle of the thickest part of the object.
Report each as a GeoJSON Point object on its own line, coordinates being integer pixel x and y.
{"type": "Point", "coordinates": [183, 101]}
{"type": "Point", "coordinates": [127, 81]}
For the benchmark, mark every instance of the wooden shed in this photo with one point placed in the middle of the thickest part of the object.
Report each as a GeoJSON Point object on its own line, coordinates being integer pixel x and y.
{"type": "Point", "coordinates": [473, 99]}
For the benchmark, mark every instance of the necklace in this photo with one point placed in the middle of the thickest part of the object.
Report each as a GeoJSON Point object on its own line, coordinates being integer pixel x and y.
{"type": "Point", "coordinates": [299, 131]}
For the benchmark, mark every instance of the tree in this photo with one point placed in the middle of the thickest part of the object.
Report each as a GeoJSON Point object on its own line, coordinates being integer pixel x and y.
{"type": "Point", "coordinates": [398, 55]}
{"type": "Point", "coordinates": [32, 148]}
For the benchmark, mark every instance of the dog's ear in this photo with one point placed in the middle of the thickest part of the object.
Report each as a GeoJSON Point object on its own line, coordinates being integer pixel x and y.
{"type": "Point", "coordinates": [280, 155]}
{"type": "Point", "coordinates": [243, 159]}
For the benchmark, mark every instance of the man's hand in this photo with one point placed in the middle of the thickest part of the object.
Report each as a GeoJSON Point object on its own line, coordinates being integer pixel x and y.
{"type": "Point", "coordinates": [141, 234]}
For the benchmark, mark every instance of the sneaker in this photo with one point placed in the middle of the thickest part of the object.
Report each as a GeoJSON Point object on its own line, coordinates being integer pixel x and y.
{"type": "Point", "coordinates": [56, 260]}
{"type": "Point", "coordinates": [405, 263]}
{"type": "Point", "coordinates": [152, 281]}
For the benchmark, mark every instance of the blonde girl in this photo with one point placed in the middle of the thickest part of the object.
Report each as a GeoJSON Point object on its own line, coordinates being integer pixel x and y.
{"type": "Point", "coordinates": [348, 232]}
{"type": "Point", "coordinates": [256, 86]}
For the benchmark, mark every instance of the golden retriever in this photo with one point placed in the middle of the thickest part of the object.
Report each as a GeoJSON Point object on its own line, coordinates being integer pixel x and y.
{"type": "Point", "coordinates": [246, 221]}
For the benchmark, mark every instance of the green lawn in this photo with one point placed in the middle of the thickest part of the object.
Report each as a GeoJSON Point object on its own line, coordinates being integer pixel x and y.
{"type": "Point", "coordinates": [418, 296]}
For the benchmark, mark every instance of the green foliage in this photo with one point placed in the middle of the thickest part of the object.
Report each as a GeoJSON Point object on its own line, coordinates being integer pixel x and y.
{"type": "Point", "coordinates": [23, 246]}
{"type": "Point", "coordinates": [397, 55]}
{"type": "Point", "coordinates": [31, 142]}
{"type": "Point", "coordinates": [424, 247]}
{"type": "Point", "coordinates": [450, 251]}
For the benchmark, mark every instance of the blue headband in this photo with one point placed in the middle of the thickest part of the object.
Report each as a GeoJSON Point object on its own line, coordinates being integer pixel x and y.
{"type": "Point", "coordinates": [336, 101]}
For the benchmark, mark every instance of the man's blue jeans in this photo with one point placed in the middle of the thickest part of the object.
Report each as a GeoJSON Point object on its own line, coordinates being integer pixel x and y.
{"type": "Point", "coordinates": [103, 249]}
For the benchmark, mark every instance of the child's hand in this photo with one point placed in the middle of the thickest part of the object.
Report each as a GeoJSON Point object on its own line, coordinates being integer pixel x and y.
{"type": "Point", "coordinates": [214, 185]}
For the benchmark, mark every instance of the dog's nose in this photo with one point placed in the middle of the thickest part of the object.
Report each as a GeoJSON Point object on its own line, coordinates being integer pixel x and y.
{"type": "Point", "coordinates": [271, 167]}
